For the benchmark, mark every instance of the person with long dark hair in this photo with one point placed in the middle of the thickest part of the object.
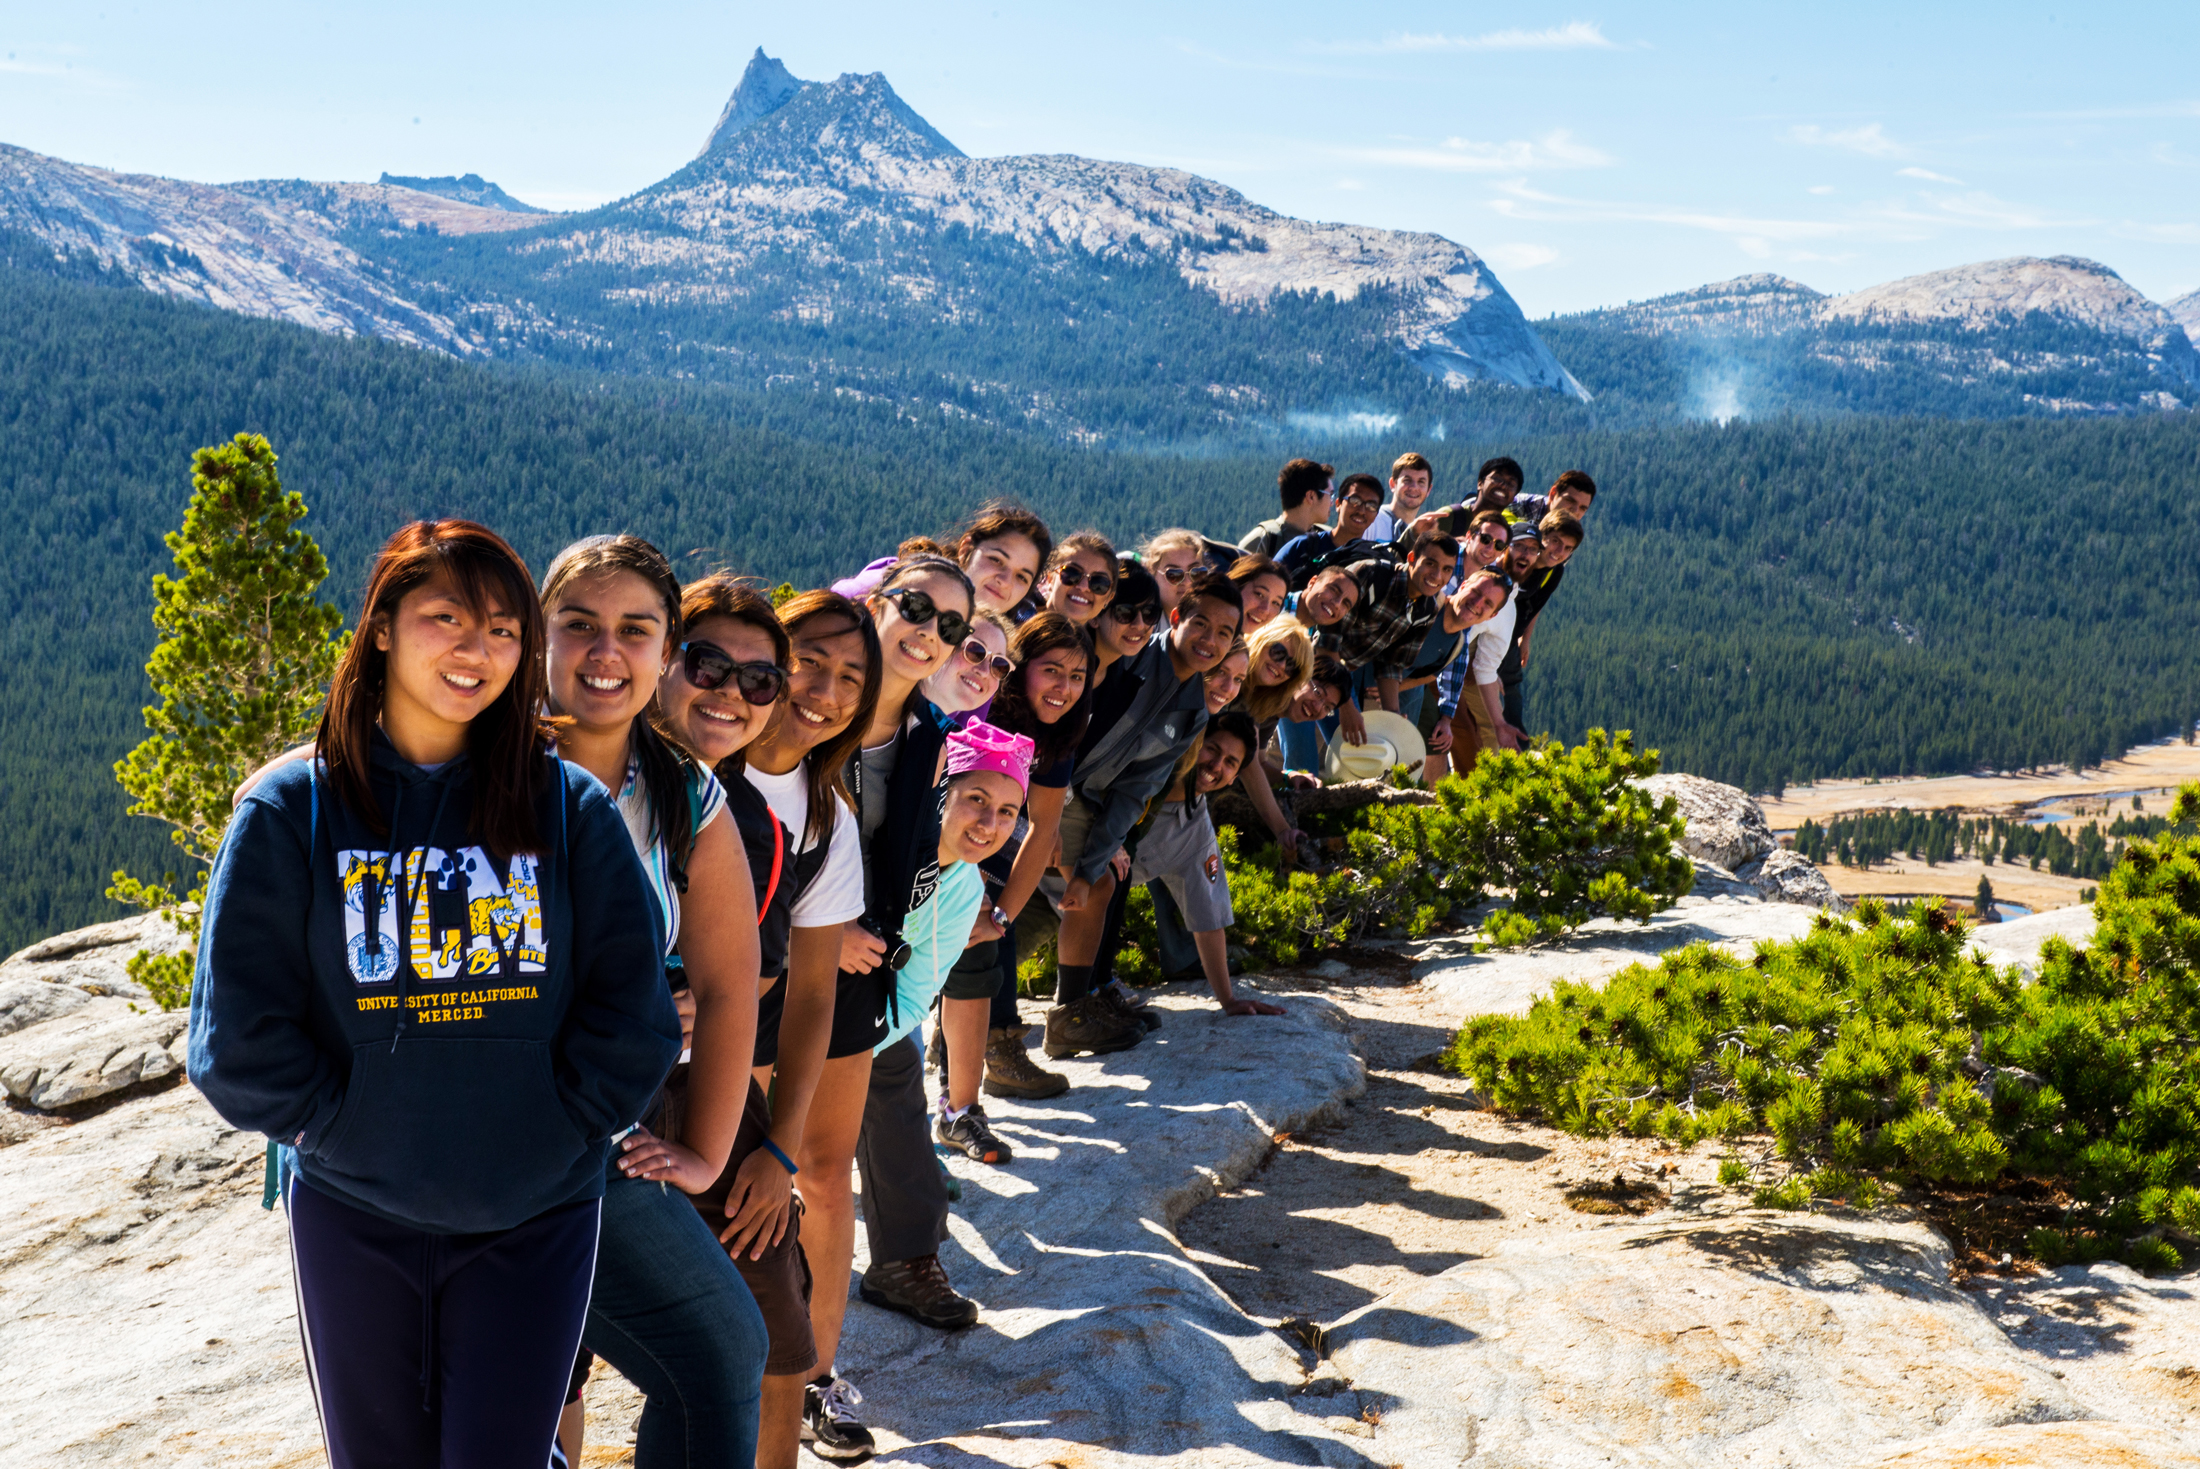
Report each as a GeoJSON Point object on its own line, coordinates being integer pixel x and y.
{"type": "Point", "coordinates": [1047, 700]}
{"type": "Point", "coordinates": [669, 1310]}
{"type": "Point", "coordinates": [781, 759]}
{"type": "Point", "coordinates": [398, 981]}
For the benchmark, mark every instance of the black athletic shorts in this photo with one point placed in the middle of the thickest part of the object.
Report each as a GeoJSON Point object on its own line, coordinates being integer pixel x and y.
{"type": "Point", "coordinates": [859, 1016]}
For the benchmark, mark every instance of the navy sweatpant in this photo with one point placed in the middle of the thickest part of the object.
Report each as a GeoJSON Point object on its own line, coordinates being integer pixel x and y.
{"type": "Point", "coordinates": [438, 1351]}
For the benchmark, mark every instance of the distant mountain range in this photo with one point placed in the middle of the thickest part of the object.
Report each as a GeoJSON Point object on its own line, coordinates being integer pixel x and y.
{"type": "Point", "coordinates": [828, 238]}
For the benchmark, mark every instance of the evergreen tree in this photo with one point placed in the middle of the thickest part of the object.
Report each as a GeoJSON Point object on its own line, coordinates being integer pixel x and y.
{"type": "Point", "coordinates": [1983, 900]}
{"type": "Point", "coordinates": [243, 663]}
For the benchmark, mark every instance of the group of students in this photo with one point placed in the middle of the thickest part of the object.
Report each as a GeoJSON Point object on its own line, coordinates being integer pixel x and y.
{"type": "Point", "coordinates": [587, 949]}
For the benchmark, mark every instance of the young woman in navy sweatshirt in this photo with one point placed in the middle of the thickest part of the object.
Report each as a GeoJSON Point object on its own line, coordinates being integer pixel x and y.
{"type": "Point", "coordinates": [398, 981]}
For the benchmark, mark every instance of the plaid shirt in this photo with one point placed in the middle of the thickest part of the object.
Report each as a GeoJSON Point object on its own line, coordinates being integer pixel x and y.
{"type": "Point", "coordinates": [1387, 628]}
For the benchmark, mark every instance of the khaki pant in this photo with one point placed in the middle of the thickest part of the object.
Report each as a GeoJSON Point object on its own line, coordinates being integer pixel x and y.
{"type": "Point", "coordinates": [1472, 728]}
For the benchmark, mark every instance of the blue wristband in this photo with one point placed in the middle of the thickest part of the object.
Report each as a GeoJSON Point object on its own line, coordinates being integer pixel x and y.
{"type": "Point", "coordinates": [784, 1161]}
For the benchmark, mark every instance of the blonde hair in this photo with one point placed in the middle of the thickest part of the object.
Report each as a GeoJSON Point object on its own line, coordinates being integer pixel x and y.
{"type": "Point", "coordinates": [1161, 542]}
{"type": "Point", "coordinates": [1271, 702]}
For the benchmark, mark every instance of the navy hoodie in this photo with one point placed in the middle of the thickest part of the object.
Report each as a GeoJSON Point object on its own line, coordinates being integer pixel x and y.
{"type": "Point", "coordinates": [479, 1082]}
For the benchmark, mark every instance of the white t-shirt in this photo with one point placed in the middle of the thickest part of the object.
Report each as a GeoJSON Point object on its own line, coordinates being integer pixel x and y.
{"type": "Point", "coordinates": [837, 893]}
{"type": "Point", "coordinates": [656, 862]}
{"type": "Point", "coordinates": [1488, 642]}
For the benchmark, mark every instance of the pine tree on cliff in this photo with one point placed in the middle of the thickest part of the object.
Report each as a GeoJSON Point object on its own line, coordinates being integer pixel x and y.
{"type": "Point", "coordinates": [243, 663]}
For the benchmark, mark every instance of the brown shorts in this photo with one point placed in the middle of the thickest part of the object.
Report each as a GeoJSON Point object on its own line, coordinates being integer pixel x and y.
{"type": "Point", "coordinates": [780, 1281]}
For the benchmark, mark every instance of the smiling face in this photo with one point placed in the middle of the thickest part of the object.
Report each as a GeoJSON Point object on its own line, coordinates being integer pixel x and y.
{"type": "Point", "coordinates": [1201, 632]}
{"type": "Point", "coordinates": [1173, 569]}
{"type": "Point", "coordinates": [1225, 679]}
{"type": "Point", "coordinates": [824, 690]}
{"type": "Point", "coordinates": [1275, 667]}
{"type": "Point", "coordinates": [980, 816]}
{"type": "Point", "coordinates": [1572, 501]}
{"type": "Point", "coordinates": [1409, 491]}
{"type": "Point", "coordinates": [1356, 512]}
{"type": "Point", "coordinates": [1431, 568]}
{"type": "Point", "coordinates": [1264, 596]}
{"type": "Point", "coordinates": [1003, 570]}
{"type": "Point", "coordinates": [1118, 638]}
{"type": "Point", "coordinates": [1315, 702]}
{"type": "Point", "coordinates": [1330, 598]}
{"type": "Point", "coordinates": [1079, 603]}
{"type": "Point", "coordinates": [607, 648]}
{"type": "Point", "coordinates": [1054, 682]}
{"type": "Point", "coordinates": [1484, 602]}
{"type": "Point", "coordinates": [1526, 552]}
{"type": "Point", "coordinates": [713, 723]}
{"type": "Point", "coordinates": [1487, 544]}
{"type": "Point", "coordinates": [446, 664]}
{"type": "Point", "coordinates": [963, 684]}
{"type": "Point", "coordinates": [1220, 760]}
{"type": "Point", "coordinates": [1496, 489]}
{"type": "Point", "coordinates": [915, 650]}
{"type": "Point", "coordinates": [1557, 551]}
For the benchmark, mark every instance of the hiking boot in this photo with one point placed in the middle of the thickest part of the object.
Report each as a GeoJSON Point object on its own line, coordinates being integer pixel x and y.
{"type": "Point", "coordinates": [1010, 1071]}
{"type": "Point", "coordinates": [1129, 1004]}
{"type": "Point", "coordinates": [918, 1288]}
{"type": "Point", "coordinates": [1090, 1024]}
{"type": "Point", "coordinates": [974, 1135]}
{"type": "Point", "coordinates": [828, 1427]}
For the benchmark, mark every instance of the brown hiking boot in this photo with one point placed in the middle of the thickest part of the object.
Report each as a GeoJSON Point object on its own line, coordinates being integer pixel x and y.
{"type": "Point", "coordinates": [919, 1288]}
{"type": "Point", "coordinates": [1010, 1071]}
{"type": "Point", "coordinates": [1129, 1004]}
{"type": "Point", "coordinates": [1090, 1024]}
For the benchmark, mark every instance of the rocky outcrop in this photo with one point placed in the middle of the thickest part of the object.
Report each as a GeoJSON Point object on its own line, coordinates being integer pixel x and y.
{"type": "Point", "coordinates": [1785, 876]}
{"type": "Point", "coordinates": [1725, 827]}
{"type": "Point", "coordinates": [1728, 830]}
{"type": "Point", "coordinates": [766, 86]}
{"type": "Point", "coordinates": [95, 960]}
{"type": "Point", "coordinates": [1729, 1339]}
{"type": "Point", "coordinates": [2064, 288]}
{"type": "Point", "coordinates": [105, 1046]}
{"type": "Point", "coordinates": [470, 188]}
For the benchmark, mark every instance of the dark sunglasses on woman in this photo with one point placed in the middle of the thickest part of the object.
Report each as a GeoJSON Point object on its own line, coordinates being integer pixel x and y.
{"type": "Point", "coordinates": [980, 655]}
{"type": "Point", "coordinates": [1126, 614]}
{"type": "Point", "coordinates": [1073, 575]}
{"type": "Point", "coordinates": [1172, 574]}
{"type": "Point", "coordinates": [708, 666]}
{"type": "Point", "coordinates": [918, 608]}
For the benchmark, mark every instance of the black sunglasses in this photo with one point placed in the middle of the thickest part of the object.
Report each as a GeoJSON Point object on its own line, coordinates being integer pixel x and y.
{"type": "Point", "coordinates": [708, 666]}
{"type": "Point", "coordinates": [918, 608]}
{"type": "Point", "coordinates": [1073, 575]}
{"type": "Point", "coordinates": [1488, 540]}
{"type": "Point", "coordinates": [1126, 614]}
{"type": "Point", "coordinates": [979, 655]}
{"type": "Point", "coordinates": [1173, 573]}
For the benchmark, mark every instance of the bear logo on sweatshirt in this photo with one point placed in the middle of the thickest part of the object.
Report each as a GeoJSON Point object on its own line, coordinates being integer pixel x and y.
{"type": "Point", "coordinates": [465, 916]}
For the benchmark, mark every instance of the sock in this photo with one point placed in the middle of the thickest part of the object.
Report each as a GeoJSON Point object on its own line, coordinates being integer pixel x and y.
{"type": "Point", "coordinates": [1072, 983]}
{"type": "Point", "coordinates": [952, 1114]}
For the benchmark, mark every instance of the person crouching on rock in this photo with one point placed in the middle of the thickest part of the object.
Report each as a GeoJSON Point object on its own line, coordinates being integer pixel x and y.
{"type": "Point", "coordinates": [398, 981]}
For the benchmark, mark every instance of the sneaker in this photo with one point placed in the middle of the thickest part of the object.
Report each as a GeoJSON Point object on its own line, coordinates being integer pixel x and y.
{"type": "Point", "coordinates": [1129, 1004]}
{"type": "Point", "coordinates": [1090, 1024]}
{"type": "Point", "coordinates": [973, 1134]}
{"type": "Point", "coordinates": [828, 1427]}
{"type": "Point", "coordinates": [1010, 1071]}
{"type": "Point", "coordinates": [918, 1288]}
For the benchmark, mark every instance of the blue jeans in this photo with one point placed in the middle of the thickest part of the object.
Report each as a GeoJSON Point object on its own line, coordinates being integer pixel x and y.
{"type": "Point", "coordinates": [672, 1314]}
{"type": "Point", "coordinates": [1303, 743]}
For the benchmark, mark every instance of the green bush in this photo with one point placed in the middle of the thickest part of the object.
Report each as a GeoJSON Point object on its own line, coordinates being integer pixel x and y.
{"type": "Point", "coordinates": [1565, 835]}
{"type": "Point", "coordinates": [1878, 1051]}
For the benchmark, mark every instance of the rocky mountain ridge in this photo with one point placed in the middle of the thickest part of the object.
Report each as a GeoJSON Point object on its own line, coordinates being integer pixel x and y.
{"type": "Point", "coordinates": [469, 188]}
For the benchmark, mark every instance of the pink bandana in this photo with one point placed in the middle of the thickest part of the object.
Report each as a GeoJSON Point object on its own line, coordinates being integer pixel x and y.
{"type": "Point", "coordinates": [981, 746]}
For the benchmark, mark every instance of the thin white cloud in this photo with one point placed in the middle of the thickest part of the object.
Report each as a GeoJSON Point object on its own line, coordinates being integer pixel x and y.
{"type": "Point", "coordinates": [1577, 35]}
{"type": "Point", "coordinates": [1871, 140]}
{"type": "Point", "coordinates": [2161, 234]}
{"type": "Point", "coordinates": [1521, 202]}
{"type": "Point", "coordinates": [1980, 210]}
{"type": "Point", "coordinates": [1821, 188]}
{"type": "Point", "coordinates": [1928, 175]}
{"type": "Point", "coordinates": [1556, 149]}
{"type": "Point", "coordinates": [1520, 257]}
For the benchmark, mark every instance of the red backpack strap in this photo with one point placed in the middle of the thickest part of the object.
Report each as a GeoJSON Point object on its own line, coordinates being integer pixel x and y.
{"type": "Point", "coordinates": [779, 863]}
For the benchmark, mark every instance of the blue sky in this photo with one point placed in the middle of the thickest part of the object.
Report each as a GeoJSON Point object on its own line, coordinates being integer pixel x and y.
{"type": "Point", "coordinates": [1594, 155]}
